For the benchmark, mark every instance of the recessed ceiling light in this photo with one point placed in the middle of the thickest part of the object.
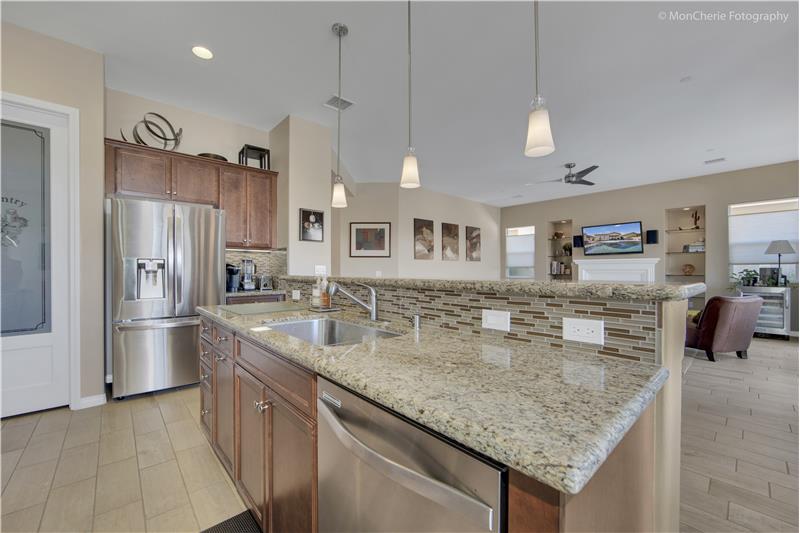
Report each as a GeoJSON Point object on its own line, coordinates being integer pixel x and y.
{"type": "Point", "coordinates": [202, 52]}
{"type": "Point", "coordinates": [686, 208]}
{"type": "Point", "coordinates": [563, 221]}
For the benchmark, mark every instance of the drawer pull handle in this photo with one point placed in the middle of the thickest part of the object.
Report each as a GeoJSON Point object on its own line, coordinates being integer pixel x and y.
{"type": "Point", "coordinates": [220, 357]}
{"type": "Point", "coordinates": [204, 377]}
{"type": "Point", "coordinates": [221, 339]}
{"type": "Point", "coordinates": [261, 406]}
{"type": "Point", "coordinates": [204, 353]}
{"type": "Point", "coordinates": [205, 329]}
{"type": "Point", "coordinates": [204, 412]}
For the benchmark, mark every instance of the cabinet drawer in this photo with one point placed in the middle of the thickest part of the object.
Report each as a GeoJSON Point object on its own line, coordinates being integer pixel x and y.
{"type": "Point", "coordinates": [205, 351]}
{"type": "Point", "coordinates": [223, 340]}
{"type": "Point", "coordinates": [205, 374]}
{"type": "Point", "coordinates": [205, 328]}
{"type": "Point", "coordinates": [290, 381]}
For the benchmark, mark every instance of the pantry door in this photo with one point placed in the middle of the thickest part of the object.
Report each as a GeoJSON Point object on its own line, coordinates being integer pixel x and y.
{"type": "Point", "coordinates": [34, 252]}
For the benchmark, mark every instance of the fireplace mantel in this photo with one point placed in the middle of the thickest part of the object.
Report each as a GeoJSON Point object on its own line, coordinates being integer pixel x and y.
{"type": "Point", "coordinates": [629, 270]}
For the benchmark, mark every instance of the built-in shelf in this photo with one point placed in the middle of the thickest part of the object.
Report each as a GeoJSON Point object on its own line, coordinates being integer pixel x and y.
{"type": "Point", "coordinates": [686, 253]}
{"type": "Point", "coordinates": [560, 256]}
{"type": "Point", "coordinates": [695, 230]}
{"type": "Point", "coordinates": [687, 275]}
{"type": "Point", "coordinates": [556, 246]}
{"type": "Point", "coordinates": [561, 238]}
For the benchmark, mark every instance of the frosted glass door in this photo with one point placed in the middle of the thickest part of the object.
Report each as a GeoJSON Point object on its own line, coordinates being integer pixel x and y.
{"type": "Point", "coordinates": [25, 247]}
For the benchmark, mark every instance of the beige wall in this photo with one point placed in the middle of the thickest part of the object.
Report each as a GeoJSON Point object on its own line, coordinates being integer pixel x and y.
{"type": "Point", "coordinates": [279, 152]}
{"type": "Point", "coordinates": [648, 204]}
{"type": "Point", "coordinates": [374, 202]}
{"type": "Point", "coordinates": [303, 158]}
{"type": "Point", "coordinates": [387, 202]}
{"type": "Point", "coordinates": [48, 69]}
{"type": "Point", "coordinates": [201, 133]}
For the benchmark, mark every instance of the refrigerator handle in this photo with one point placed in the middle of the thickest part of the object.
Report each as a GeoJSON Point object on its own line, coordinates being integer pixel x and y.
{"type": "Point", "coordinates": [178, 260]}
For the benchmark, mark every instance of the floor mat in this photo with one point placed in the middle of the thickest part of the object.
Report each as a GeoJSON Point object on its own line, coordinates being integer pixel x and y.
{"type": "Point", "coordinates": [241, 523]}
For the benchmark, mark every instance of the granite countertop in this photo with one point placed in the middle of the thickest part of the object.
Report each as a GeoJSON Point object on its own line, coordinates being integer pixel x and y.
{"type": "Point", "coordinates": [242, 294]}
{"type": "Point", "coordinates": [557, 289]}
{"type": "Point", "coordinates": [552, 414]}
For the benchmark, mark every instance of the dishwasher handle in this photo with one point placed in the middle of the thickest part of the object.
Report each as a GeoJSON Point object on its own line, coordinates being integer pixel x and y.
{"type": "Point", "coordinates": [428, 487]}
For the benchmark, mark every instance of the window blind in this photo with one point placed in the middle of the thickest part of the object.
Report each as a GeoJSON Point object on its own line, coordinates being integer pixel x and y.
{"type": "Point", "coordinates": [750, 234]}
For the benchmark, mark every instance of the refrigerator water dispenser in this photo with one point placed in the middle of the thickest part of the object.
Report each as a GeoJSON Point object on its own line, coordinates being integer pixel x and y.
{"type": "Point", "coordinates": [150, 279]}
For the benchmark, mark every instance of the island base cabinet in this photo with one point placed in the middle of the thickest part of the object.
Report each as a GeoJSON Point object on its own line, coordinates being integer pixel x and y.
{"type": "Point", "coordinates": [224, 408]}
{"type": "Point", "coordinates": [252, 444]}
{"type": "Point", "coordinates": [293, 469]}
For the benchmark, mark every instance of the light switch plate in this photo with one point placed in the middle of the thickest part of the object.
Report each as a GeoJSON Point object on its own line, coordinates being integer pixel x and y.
{"type": "Point", "coordinates": [378, 273]}
{"type": "Point", "coordinates": [320, 270]}
{"type": "Point", "coordinates": [499, 320]}
{"type": "Point", "coordinates": [295, 295]}
{"type": "Point", "coordinates": [581, 330]}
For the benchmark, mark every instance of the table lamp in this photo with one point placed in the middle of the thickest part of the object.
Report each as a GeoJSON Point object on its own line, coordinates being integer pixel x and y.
{"type": "Point", "coordinates": [780, 248]}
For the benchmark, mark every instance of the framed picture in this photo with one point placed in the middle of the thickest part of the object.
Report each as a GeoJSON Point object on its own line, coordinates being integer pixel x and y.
{"type": "Point", "coordinates": [423, 238]}
{"type": "Point", "coordinates": [370, 239]}
{"type": "Point", "coordinates": [473, 239]}
{"type": "Point", "coordinates": [449, 242]}
{"type": "Point", "coordinates": [311, 225]}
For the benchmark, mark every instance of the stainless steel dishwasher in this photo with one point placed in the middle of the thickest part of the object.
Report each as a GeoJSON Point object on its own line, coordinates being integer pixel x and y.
{"type": "Point", "coordinates": [380, 472]}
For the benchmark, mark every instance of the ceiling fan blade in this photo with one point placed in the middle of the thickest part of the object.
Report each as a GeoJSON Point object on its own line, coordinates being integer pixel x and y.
{"type": "Point", "coordinates": [583, 182]}
{"type": "Point", "coordinates": [547, 181]}
{"type": "Point", "coordinates": [585, 171]}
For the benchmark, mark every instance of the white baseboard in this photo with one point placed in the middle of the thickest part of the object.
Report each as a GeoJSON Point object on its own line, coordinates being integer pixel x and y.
{"type": "Point", "coordinates": [88, 401]}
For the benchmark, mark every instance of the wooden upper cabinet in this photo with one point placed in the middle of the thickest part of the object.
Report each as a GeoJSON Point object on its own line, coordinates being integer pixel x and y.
{"type": "Point", "coordinates": [248, 195]}
{"type": "Point", "coordinates": [195, 181]}
{"type": "Point", "coordinates": [233, 199]}
{"type": "Point", "coordinates": [140, 173]}
{"type": "Point", "coordinates": [261, 204]}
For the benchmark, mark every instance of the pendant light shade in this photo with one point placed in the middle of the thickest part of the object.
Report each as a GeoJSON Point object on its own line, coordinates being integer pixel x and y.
{"type": "Point", "coordinates": [339, 197]}
{"type": "Point", "coordinates": [410, 177]}
{"type": "Point", "coordinates": [540, 137]}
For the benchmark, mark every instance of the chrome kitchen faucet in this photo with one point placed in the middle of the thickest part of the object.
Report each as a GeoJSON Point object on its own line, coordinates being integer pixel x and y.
{"type": "Point", "coordinates": [371, 308]}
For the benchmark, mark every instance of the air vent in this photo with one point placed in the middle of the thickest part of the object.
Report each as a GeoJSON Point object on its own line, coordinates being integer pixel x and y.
{"type": "Point", "coordinates": [336, 103]}
{"type": "Point", "coordinates": [712, 161]}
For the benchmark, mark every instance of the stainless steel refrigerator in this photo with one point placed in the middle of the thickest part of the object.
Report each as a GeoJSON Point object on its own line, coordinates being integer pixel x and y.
{"type": "Point", "coordinates": [163, 259]}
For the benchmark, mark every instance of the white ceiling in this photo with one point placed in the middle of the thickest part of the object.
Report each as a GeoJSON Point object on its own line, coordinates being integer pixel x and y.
{"type": "Point", "coordinates": [610, 73]}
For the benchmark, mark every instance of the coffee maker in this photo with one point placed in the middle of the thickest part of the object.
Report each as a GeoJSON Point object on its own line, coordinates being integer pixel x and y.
{"type": "Point", "coordinates": [248, 275]}
{"type": "Point", "coordinates": [232, 278]}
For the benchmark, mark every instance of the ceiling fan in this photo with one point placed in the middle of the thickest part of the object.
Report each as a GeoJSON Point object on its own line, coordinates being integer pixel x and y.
{"type": "Point", "coordinates": [575, 178]}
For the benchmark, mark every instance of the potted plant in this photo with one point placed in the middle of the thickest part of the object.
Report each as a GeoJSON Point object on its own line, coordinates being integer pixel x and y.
{"type": "Point", "coordinates": [747, 277]}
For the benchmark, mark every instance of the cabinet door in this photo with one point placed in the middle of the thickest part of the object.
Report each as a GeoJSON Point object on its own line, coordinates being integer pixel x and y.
{"type": "Point", "coordinates": [252, 445]}
{"type": "Point", "coordinates": [143, 173]}
{"type": "Point", "coordinates": [206, 414]}
{"type": "Point", "coordinates": [223, 409]}
{"type": "Point", "coordinates": [261, 205]}
{"type": "Point", "coordinates": [195, 181]}
{"type": "Point", "coordinates": [293, 468]}
{"type": "Point", "coordinates": [233, 199]}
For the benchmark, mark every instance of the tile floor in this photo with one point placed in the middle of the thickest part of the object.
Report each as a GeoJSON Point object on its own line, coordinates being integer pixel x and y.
{"type": "Point", "coordinates": [739, 456]}
{"type": "Point", "coordinates": [141, 464]}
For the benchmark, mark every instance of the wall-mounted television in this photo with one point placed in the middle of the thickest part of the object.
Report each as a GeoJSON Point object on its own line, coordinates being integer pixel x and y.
{"type": "Point", "coordinates": [622, 238]}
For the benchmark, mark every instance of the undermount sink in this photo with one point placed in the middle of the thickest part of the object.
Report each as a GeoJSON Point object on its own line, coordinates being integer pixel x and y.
{"type": "Point", "coordinates": [330, 331]}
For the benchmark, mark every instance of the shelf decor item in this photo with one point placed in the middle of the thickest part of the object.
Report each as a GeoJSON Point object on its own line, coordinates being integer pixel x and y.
{"type": "Point", "coordinates": [249, 151]}
{"type": "Point", "coordinates": [152, 123]}
{"type": "Point", "coordinates": [688, 269]}
{"type": "Point", "coordinates": [370, 239]}
{"type": "Point", "coordinates": [311, 225]}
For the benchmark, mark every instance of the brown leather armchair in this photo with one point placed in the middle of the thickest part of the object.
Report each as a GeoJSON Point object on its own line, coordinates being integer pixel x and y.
{"type": "Point", "coordinates": [726, 324]}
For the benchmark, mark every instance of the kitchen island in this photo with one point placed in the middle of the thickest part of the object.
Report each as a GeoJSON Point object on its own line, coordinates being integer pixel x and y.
{"type": "Point", "coordinates": [556, 416]}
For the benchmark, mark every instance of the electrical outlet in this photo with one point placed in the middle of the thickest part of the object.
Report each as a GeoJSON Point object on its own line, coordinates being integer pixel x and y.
{"type": "Point", "coordinates": [296, 295]}
{"type": "Point", "coordinates": [499, 320]}
{"type": "Point", "coordinates": [320, 270]}
{"type": "Point", "coordinates": [378, 273]}
{"type": "Point", "coordinates": [578, 329]}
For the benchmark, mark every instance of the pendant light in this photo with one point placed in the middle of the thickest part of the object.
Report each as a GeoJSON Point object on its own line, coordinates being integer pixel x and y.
{"type": "Point", "coordinates": [540, 138]}
{"type": "Point", "coordinates": [339, 198]}
{"type": "Point", "coordinates": [409, 179]}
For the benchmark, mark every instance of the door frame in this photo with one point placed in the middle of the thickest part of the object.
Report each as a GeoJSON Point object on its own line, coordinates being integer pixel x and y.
{"type": "Point", "coordinates": [72, 116]}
